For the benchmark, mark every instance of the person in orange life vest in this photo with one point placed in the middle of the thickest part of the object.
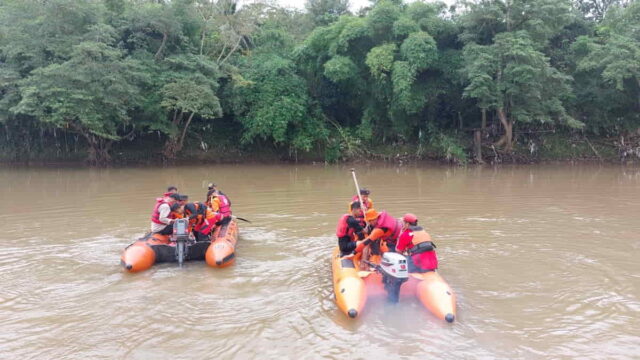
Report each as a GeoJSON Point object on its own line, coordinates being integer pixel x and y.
{"type": "Point", "coordinates": [418, 245]}
{"type": "Point", "coordinates": [349, 227]}
{"type": "Point", "coordinates": [221, 205]}
{"type": "Point", "coordinates": [177, 211]}
{"type": "Point", "coordinates": [201, 220]}
{"type": "Point", "coordinates": [211, 188]}
{"type": "Point", "coordinates": [384, 227]}
{"type": "Point", "coordinates": [161, 221]}
{"type": "Point", "coordinates": [368, 203]}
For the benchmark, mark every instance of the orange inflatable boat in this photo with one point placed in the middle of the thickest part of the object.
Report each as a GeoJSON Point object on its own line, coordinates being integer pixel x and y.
{"type": "Point", "coordinates": [154, 248]}
{"type": "Point", "coordinates": [352, 288]}
{"type": "Point", "coordinates": [222, 251]}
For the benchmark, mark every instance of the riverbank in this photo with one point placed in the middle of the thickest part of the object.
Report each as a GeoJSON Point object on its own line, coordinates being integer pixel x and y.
{"type": "Point", "coordinates": [146, 151]}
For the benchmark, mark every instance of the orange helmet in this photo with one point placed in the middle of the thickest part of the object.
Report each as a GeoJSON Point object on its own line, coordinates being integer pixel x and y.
{"type": "Point", "coordinates": [370, 215]}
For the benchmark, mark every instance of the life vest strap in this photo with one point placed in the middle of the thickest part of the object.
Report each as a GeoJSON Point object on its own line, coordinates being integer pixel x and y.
{"type": "Point", "coordinates": [422, 247]}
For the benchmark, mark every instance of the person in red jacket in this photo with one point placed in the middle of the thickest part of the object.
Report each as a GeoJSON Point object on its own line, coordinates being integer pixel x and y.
{"type": "Point", "coordinates": [368, 203]}
{"type": "Point", "coordinates": [416, 242]}
{"type": "Point", "coordinates": [350, 227]}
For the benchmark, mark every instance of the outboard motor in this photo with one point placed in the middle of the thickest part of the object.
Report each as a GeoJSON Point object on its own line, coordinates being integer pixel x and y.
{"type": "Point", "coordinates": [181, 237]}
{"type": "Point", "coordinates": [393, 268]}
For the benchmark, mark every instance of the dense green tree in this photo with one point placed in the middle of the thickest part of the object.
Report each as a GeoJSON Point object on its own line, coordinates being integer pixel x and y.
{"type": "Point", "coordinates": [608, 72]}
{"type": "Point", "coordinates": [323, 12]}
{"type": "Point", "coordinates": [92, 93]}
{"type": "Point", "coordinates": [398, 73]}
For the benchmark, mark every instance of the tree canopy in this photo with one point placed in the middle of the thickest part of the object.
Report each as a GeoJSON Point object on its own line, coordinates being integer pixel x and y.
{"type": "Point", "coordinates": [424, 76]}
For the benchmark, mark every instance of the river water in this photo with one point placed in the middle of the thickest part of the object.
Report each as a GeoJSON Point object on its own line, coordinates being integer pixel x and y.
{"type": "Point", "coordinates": [544, 261]}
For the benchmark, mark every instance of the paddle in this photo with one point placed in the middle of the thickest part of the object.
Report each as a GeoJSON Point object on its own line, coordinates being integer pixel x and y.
{"type": "Point", "coordinates": [355, 180]}
{"type": "Point", "coordinates": [243, 219]}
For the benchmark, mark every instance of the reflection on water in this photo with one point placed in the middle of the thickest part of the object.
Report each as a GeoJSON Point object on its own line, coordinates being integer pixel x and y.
{"type": "Point", "coordinates": [544, 261]}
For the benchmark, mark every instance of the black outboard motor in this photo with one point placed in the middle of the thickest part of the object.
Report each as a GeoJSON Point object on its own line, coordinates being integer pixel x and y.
{"type": "Point", "coordinates": [393, 268]}
{"type": "Point", "coordinates": [181, 237]}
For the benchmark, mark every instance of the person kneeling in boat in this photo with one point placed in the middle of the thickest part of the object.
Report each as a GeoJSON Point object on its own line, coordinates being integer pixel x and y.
{"type": "Point", "coordinates": [416, 242]}
{"type": "Point", "coordinates": [382, 238]}
{"type": "Point", "coordinates": [220, 204]}
{"type": "Point", "coordinates": [349, 227]}
{"type": "Point", "coordinates": [201, 220]}
{"type": "Point", "coordinates": [161, 219]}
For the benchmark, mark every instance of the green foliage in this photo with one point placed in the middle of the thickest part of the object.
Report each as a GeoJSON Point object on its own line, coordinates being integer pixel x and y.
{"type": "Point", "coordinates": [512, 75]}
{"type": "Point", "coordinates": [420, 50]}
{"type": "Point", "coordinates": [92, 93]}
{"type": "Point", "coordinates": [380, 60]}
{"type": "Point", "coordinates": [340, 68]}
{"type": "Point", "coordinates": [382, 18]}
{"type": "Point", "coordinates": [404, 26]}
{"type": "Point", "coordinates": [273, 104]}
{"type": "Point", "coordinates": [108, 71]}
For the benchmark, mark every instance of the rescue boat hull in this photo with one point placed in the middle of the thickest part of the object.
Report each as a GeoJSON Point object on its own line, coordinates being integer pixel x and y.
{"type": "Point", "coordinates": [221, 252]}
{"type": "Point", "coordinates": [155, 248]}
{"type": "Point", "coordinates": [353, 288]}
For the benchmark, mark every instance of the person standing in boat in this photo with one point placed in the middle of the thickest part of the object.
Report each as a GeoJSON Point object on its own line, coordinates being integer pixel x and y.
{"type": "Point", "coordinates": [211, 188]}
{"type": "Point", "coordinates": [161, 221]}
{"type": "Point", "coordinates": [220, 204]}
{"type": "Point", "coordinates": [349, 227]}
{"type": "Point", "coordinates": [416, 242]}
{"type": "Point", "coordinates": [366, 200]}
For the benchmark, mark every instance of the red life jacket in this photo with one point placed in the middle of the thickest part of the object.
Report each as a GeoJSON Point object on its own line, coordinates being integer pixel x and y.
{"type": "Point", "coordinates": [367, 203]}
{"type": "Point", "coordinates": [155, 215]}
{"type": "Point", "coordinates": [343, 228]}
{"type": "Point", "coordinates": [393, 226]}
{"type": "Point", "coordinates": [225, 206]}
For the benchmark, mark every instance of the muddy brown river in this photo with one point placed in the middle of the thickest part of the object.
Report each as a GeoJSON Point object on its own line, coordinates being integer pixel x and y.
{"type": "Point", "coordinates": [545, 261]}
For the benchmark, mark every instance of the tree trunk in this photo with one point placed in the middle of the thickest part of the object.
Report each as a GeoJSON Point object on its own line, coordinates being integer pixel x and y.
{"type": "Point", "coordinates": [184, 132]}
{"type": "Point", "coordinates": [98, 152]}
{"type": "Point", "coordinates": [164, 42]}
{"type": "Point", "coordinates": [477, 145]}
{"type": "Point", "coordinates": [507, 138]}
{"type": "Point", "coordinates": [483, 126]}
{"type": "Point", "coordinates": [638, 81]}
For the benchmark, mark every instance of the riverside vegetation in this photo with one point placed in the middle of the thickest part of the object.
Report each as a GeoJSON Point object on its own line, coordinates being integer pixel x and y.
{"type": "Point", "coordinates": [486, 80]}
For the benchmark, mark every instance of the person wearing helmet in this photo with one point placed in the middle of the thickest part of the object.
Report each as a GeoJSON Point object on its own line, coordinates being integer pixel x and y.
{"type": "Point", "coordinates": [367, 202]}
{"type": "Point", "coordinates": [201, 220]}
{"type": "Point", "coordinates": [384, 227]}
{"type": "Point", "coordinates": [382, 238]}
{"type": "Point", "coordinates": [350, 227]}
{"type": "Point", "coordinates": [416, 243]}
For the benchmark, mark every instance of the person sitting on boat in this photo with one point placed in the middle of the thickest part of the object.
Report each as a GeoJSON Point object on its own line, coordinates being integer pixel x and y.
{"type": "Point", "coordinates": [211, 188]}
{"type": "Point", "coordinates": [416, 242]}
{"type": "Point", "coordinates": [384, 228]}
{"type": "Point", "coordinates": [349, 227]}
{"type": "Point", "coordinates": [161, 221]}
{"type": "Point", "coordinates": [184, 199]}
{"type": "Point", "coordinates": [220, 204]}
{"type": "Point", "coordinates": [201, 219]}
{"type": "Point", "coordinates": [368, 203]}
{"type": "Point", "coordinates": [177, 211]}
